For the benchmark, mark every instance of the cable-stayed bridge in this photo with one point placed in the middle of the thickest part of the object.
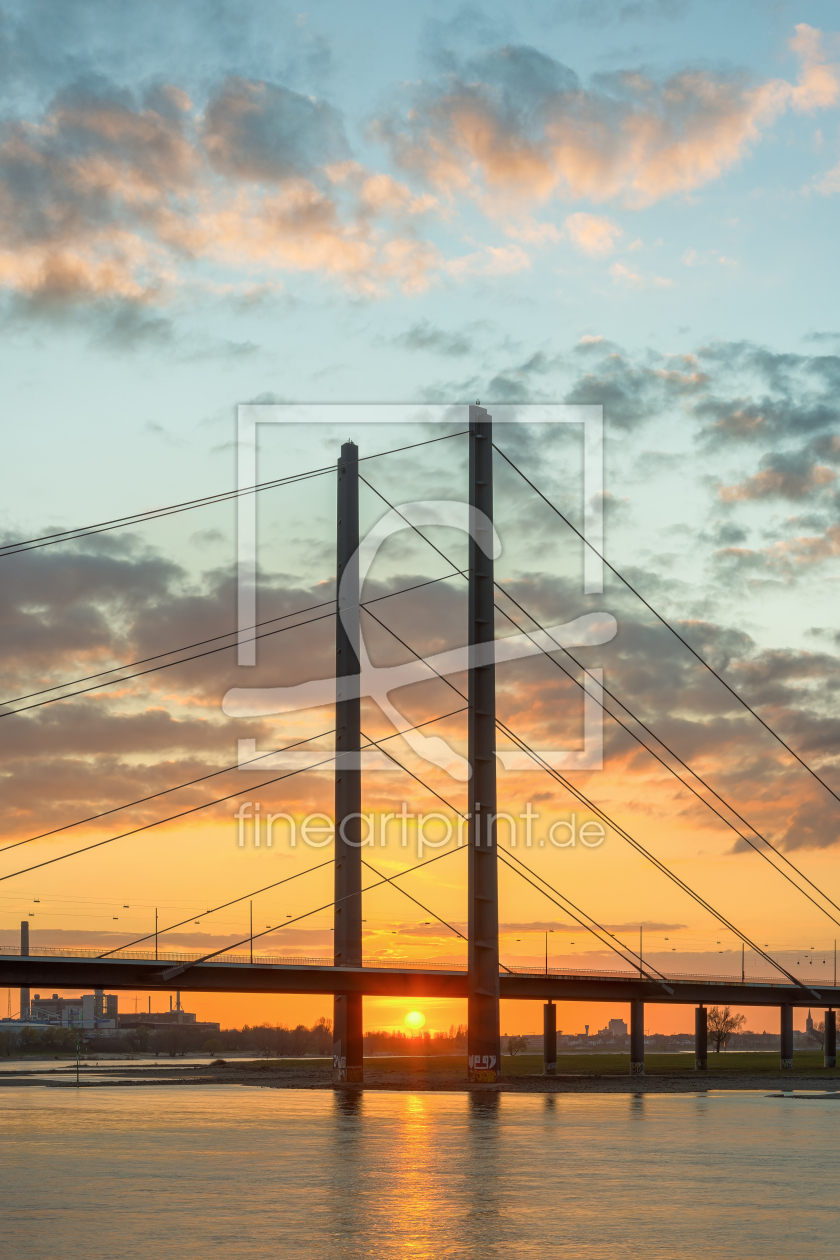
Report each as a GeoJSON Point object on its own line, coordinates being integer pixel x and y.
{"type": "Point", "coordinates": [484, 980]}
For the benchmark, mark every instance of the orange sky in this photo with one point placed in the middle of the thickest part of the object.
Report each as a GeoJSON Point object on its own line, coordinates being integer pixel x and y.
{"type": "Point", "coordinates": [190, 224]}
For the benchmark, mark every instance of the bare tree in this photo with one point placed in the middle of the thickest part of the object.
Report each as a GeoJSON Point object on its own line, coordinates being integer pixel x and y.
{"type": "Point", "coordinates": [516, 1044]}
{"type": "Point", "coordinates": [722, 1024]}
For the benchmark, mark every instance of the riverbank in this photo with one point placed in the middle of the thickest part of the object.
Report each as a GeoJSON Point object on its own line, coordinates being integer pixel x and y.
{"type": "Point", "coordinates": [589, 1073]}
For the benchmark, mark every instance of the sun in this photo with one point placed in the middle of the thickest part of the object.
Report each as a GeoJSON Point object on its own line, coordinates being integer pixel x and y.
{"type": "Point", "coordinates": [415, 1019]}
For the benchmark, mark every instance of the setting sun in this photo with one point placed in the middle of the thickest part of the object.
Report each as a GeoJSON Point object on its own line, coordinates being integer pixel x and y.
{"type": "Point", "coordinates": [414, 1019]}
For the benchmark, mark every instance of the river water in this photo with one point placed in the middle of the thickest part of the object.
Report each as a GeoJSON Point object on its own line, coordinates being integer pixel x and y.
{"type": "Point", "coordinates": [226, 1171]}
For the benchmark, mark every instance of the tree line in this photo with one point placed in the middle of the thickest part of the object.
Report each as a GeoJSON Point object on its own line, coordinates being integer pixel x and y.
{"type": "Point", "coordinates": [267, 1040]}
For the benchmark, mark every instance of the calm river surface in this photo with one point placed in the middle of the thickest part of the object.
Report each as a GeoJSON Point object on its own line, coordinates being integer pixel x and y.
{"type": "Point", "coordinates": [218, 1171]}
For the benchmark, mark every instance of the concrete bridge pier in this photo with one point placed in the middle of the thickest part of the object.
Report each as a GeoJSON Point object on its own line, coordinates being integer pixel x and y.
{"type": "Point", "coordinates": [830, 1042]}
{"type": "Point", "coordinates": [637, 1037]}
{"type": "Point", "coordinates": [549, 1039]}
{"type": "Point", "coordinates": [786, 1029]}
{"type": "Point", "coordinates": [701, 1039]}
{"type": "Point", "coordinates": [24, 953]}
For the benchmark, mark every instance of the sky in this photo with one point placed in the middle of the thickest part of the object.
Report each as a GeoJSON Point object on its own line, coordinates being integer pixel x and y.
{"type": "Point", "coordinates": [627, 203]}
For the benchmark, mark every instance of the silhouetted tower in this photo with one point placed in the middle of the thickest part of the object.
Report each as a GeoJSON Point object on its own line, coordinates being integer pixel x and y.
{"type": "Point", "coordinates": [483, 1041]}
{"type": "Point", "coordinates": [348, 1029]}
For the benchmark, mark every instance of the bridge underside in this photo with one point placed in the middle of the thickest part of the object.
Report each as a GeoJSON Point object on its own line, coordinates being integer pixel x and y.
{"type": "Point", "coordinates": [132, 974]}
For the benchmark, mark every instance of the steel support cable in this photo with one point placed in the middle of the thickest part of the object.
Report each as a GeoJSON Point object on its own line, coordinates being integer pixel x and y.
{"type": "Point", "coordinates": [430, 790]}
{"type": "Point", "coordinates": [152, 514]}
{"type": "Point", "coordinates": [210, 652]}
{"type": "Point", "coordinates": [520, 743]}
{"type": "Point", "coordinates": [178, 971]}
{"type": "Point", "coordinates": [390, 880]}
{"type": "Point", "coordinates": [657, 979]}
{"type": "Point", "coordinates": [426, 786]}
{"type": "Point", "coordinates": [452, 807]}
{"type": "Point", "coordinates": [225, 647]}
{"type": "Point", "coordinates": [154, 796]}
{"type": "Point", "coordinates": [215, 909]}
{"type": "Point", "coordinates": [158, 822]}
{"type": "Point", "coordinates": [628, 949]}
{"type": "Point", "coordinates": [640, 741]}
{"type": "Point", "coordinates": [449, 805]}
{"type": "Point", "coordinates": [676, 757]}
{"type": "Point", "coordinates": [185, 647]}
{"type": "Point", "coordinates": [655, 861]}
{"type": "Point", "coordinates": [143, 799]}
{"type": "Point", "coordinates": [166, 791]}
{"type": "Point", "coordinates": [668, 626]}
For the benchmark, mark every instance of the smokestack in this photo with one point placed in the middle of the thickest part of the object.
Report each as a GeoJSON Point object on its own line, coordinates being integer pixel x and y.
{"type": "Point", "coordinates": [24, 953]}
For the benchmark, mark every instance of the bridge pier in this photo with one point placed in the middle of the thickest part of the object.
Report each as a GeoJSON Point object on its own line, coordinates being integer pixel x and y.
{"type": "Point", "coordinates": [701, 1039]}
{"type": "Point", "coordinates": [786, 1030]}
{"type": "Point", "coordinates": [348, 1029]}
{"type": "Point", "coordinates": [637, 1037]}
{"type": "Point", "coordinates": [549, 1039]}
{"type": "Point", "coordinates": [830, 1040]}
{"type": "Point", "coordinates": [24, 953]}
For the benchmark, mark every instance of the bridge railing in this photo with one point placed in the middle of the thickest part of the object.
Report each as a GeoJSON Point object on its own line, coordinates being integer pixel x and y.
{"type": "Point", "coordinates": [284, 960]}
{"type": "Point", "coordinates": [263, 960]}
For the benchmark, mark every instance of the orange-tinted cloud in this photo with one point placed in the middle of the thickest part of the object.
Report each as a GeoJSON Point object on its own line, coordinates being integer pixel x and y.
{"type": "Point", "coordinates": [107, 198]}
{"type": "Point", "coordinates": [785, 476]}
{"type": "Point", "coordinates": [592, 234]}
{"type": "Point", "coordinates": [518, 128]}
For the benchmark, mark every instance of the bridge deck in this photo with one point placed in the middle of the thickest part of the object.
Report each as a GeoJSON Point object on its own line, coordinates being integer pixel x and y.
{"type": "Point", "coordinates": [235, 974]}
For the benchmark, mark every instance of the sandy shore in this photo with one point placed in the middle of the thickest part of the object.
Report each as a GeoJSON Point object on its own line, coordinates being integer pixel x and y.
{"type": "Point", "coordinates": [418, 1076]}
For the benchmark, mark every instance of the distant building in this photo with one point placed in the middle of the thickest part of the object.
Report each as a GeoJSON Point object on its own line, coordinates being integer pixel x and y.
{"type": "Point", "coordinates": [92, 1012]}
{"type": "Point", "coordinates": [166, 1019]}
{"type": "Point", "coordinates": [615, 1028]}
{"type": "Point", "coordinates": [175, 1015]}
{"type": "Point", "coordinates": [809, 1023]}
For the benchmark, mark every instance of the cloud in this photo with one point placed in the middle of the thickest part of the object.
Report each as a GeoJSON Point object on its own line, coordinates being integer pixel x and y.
{"type": "Point", "coordinates": [633, 279]}
{"type": "Point", "coordinates": [692, 258]}
{"type": "Point", "coordinates": [492, 260]}
{"type": "Point", "coordinates": [812, 825]}
{"type": "Point", "coordinates": [109, 201]}
{"type": "Point", "coordinates": [783, 476]}
{"type": "Point", "coordinates": [515, 127]}
{"type": "Point", "coordinates": [786, 556]}
{"type": "Point", "coordinates": [71, 611]}
{"type": "Point", "coordinates": [534, 233]}
{"type": "Point", "coordinates": [263, 132]}
{"type": "Point", "coordinates": [592, 235]}
{"type": "Point", "coordinates": [112, 201]}
{"type": "Point", "coordinates": [607, 12]}
{"type": "Point", "coordinates": [425, 336]}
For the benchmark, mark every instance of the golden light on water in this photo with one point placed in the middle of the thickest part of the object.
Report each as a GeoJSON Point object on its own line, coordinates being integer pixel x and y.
{"type": "Point", "coordinates": [415, 1020]}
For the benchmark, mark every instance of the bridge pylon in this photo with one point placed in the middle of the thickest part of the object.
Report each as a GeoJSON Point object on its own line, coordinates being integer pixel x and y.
{"type": "Point", "coordinates": [348, 1028]}
{"type": "Point", "coordinates": [483, 1041]}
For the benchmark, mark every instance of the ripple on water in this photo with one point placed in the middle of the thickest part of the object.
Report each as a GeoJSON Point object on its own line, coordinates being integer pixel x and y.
{"type": "Point", "coordinates": [235, 1172]}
